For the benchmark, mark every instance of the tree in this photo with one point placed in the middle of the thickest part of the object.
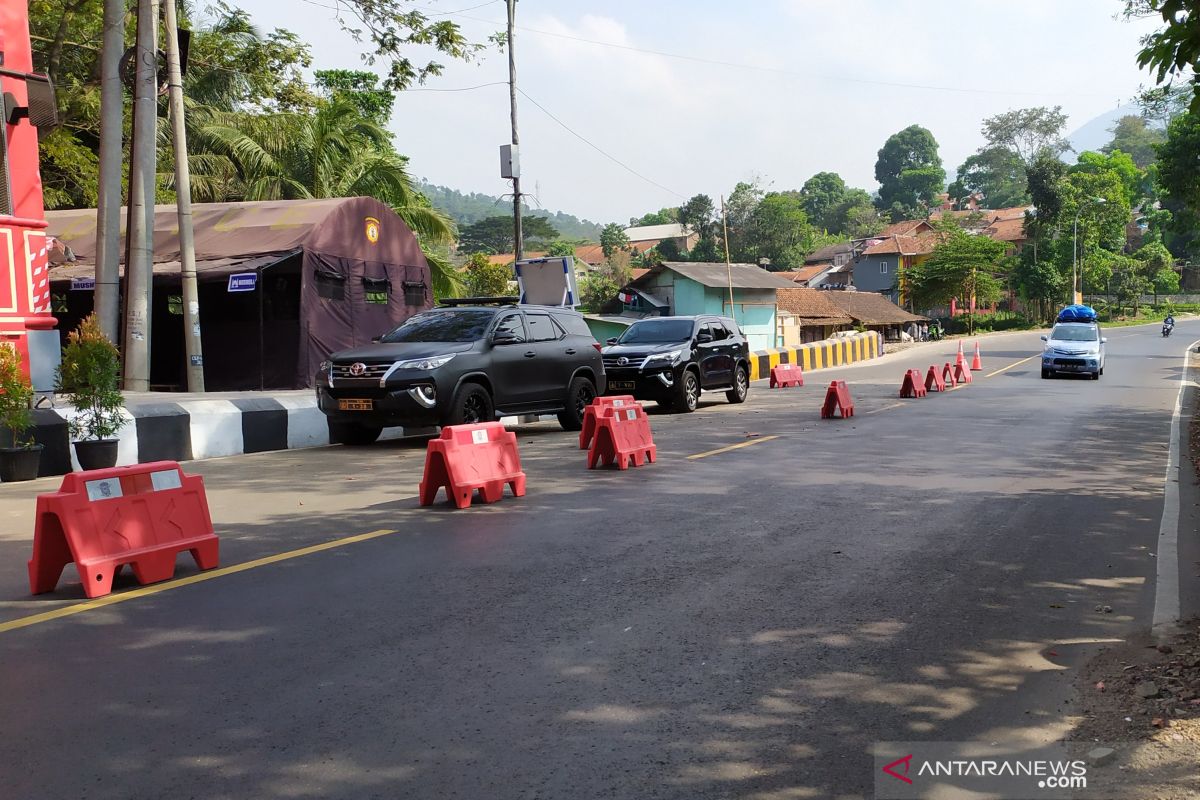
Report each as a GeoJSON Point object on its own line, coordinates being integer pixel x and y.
{"type": "Point", "coordinates": [962, 266]}
{"type": "Point", "coordinates": [613, 239]}
{"type": "Point", "coordinates": [910, 173]}
{"type": "Point", "coordinates": [779, 232]}
{"type": "Point", "coordinates": [332, 152]}
{"type": "Point", "coordinates": [1165, 281]}
{"type": "Point", "coordinates": [357, 88]}
{"type": "Point", "coordinates": [862, 220]}
{"type": "Point", "coordinates": [698, 215]}
{"type": "Point", "coordinates": [1131, 135]}
{"type": "Point", "coordinates": [995, 172]}
{"type": "Point", "coordinates": [1172, 51]}
{"type": "Point", "coordinates": [823, 196]}
{"type": "Point", "coordinates": [1178, 170]}
{"type": "Point", "coordinates": [1028, 132]}
{"type": "Point", "coordinates": [495, 234]}
{"type": "Point", "coordinates": [561, 248]}
{"type": "Point", "coordinates": [1118, 163]}
{"type": "Point", "coordinates": [664, 216]}
{"type": "Point", "coordinates": [1044, 179]}
{"type": "Point", "coordinates": [485, 279]}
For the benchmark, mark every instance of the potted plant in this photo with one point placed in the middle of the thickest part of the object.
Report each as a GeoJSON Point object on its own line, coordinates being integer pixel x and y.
{"type": "Point", "coordinates": [20, 461]}
{"type": "Point", "coordinates": [90, 373]}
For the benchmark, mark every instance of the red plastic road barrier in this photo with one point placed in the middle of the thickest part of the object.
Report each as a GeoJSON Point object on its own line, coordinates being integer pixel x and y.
{"type": "Point", "coordinates": [912, 386]}
{"type": "Point", "coordinates": [143, 515]}
{"type": "Point", "coordinates": [786, 375]}
{"type": "Point", "coordinates": [469, 457]}
{"type": "Point", "coordinates": [837, 396]}
{"type": "Point", "coordinates": [589, 415]}
{"type": "Point", "coordinates": [962, 373]}
{"type": "Point", "coordinates": [933, 380]}
{"type": "Point", "coordinates": [948, 375]}
{"type": "Point", "coordinates": [622, 436]}
{"type": "Point", "coordinates": [976, 363]}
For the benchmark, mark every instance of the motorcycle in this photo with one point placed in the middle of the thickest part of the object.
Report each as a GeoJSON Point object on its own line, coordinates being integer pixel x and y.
{"type": "Point", "coordinates": [1167, 328]}
{"type": "Point", "coordinates": [935, 333]}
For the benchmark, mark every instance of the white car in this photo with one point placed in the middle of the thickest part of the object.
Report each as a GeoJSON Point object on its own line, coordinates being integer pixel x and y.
{"type": "Point", "coordinates": [1074, 347]}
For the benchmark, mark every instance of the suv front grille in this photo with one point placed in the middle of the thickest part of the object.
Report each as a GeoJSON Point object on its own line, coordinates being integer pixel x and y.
{"type": "Point", "coordinates": [1069, 362]}
{"type": "Point", "coordinates": [632, 362]}
{"type": "Point", "coordinates": [370, 372]}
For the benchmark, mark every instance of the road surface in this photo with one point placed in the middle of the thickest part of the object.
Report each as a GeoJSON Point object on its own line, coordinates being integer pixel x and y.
{"type": "Point", "coordinates": [732, 621]}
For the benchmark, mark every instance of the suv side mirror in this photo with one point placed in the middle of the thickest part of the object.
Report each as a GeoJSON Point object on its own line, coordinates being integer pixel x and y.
{"type": "Point", "coordinates": [504, 337]}
{"type": "Point", "coordinates": [703, 338]}
{"type": "Point", "coordinates": [1045, 338]}
{"type": "Point", "coordinates": [1103, 339]}
{"type": "Point", "coordinates": [376, 338]}
{"type": "Point", "coordinates": [611, 340]}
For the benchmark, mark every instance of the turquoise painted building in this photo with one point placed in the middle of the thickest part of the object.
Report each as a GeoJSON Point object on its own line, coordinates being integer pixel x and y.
{"type": "Point", "coordinates": [684, 288]}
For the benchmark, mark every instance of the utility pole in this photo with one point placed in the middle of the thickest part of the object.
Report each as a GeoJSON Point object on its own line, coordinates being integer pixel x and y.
{"type": "Point", "coordinates": [108, 201]}
{"type": "Point", "coordinates": [728, 265]}
{"type": "Point", "coordinates": [518, 244]}
{"type": "Point", "coordinates": [183, 204]}
{"type": "Point", "coordinates": [139, 268]}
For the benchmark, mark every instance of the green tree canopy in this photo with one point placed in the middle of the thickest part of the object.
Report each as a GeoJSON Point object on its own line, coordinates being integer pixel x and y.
{"type": "Point", "coordinates": [995, 172]}
{"type": "Point", "coordinates": [1028, 132]}
{"type": "Point", "coordinates": [664, 216]}
{"type": "Point", "coordinates": [830, 204]}
{"type": "Point", "coordinates": [1133, 136]}
{"type": "Point", "coordinates": [358, 88]}
{"type": "Point", "coordinates": [961, 267]}
{"type": "Point", "coordinates": [613, 239]}
{"type": "Point", "coordinates": [1172, 51]}
{"type": "Point", "coordinates": [495, 234]}
{"type": "Point", "coordinates": [778, 231]}
{"type": "Point", "coordinates": [485, 279]}
{"type": "Point", "coordinates": [910, 173]}
{"type": "Point", "coordinates": [1120, 164]}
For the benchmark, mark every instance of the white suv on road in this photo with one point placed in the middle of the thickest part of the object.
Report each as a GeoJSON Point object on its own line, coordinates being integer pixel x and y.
{"type": "Point", "coordinates": [1074, 347]}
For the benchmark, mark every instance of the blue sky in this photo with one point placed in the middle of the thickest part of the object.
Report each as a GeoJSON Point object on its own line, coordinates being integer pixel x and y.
{"type": "Point", "coordinates": [768, 90]}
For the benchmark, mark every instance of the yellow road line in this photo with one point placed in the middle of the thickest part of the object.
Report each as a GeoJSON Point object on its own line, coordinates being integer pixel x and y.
{"type": "Point", "coordinates": [1010, 366]}
{"type": "Point", "coordinates": [737, 446]}
{"type": "Point", "coordinates": [133, 594]}
{"type": "Point", "coordinates": [885, 408]}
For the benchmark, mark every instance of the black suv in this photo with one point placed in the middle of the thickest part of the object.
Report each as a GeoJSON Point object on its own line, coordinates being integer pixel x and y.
{"type": "Point", "coordinates": [672, 359]}
{"type": "Point", "coordinates": [463, 364]}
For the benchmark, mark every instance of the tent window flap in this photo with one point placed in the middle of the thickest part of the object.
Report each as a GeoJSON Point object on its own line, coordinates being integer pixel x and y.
{"type": "Point", "coordinates": [376, 290]}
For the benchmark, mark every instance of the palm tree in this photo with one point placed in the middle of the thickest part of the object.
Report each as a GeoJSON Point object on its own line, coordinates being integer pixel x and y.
{"type": "Point", "coordinates": [333, 152]}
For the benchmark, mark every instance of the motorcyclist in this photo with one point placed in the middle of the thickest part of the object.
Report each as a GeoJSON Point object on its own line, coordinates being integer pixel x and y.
{"type": "Point", "coordinates": [1169, 321]}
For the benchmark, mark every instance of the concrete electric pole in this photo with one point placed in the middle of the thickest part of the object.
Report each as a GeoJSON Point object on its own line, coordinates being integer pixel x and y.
{"type": "Point", "coordinates": [518, 244]}
{"type": "Point", "coordinates": [139, 268]}
{"type": "Point", "coordinates": [108, 203]}
{"type": "Point", "coordinates": [183, 204]}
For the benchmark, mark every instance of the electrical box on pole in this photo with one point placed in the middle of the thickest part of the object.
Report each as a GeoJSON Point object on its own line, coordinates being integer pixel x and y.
{"type": "Point", "coordinates": [510, 161]}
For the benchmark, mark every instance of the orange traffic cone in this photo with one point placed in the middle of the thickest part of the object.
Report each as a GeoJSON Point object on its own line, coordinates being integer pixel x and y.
{"type": "Point", "coordinates": [960, 358]}
{"type": "Point", "coordinates": [976, 364]}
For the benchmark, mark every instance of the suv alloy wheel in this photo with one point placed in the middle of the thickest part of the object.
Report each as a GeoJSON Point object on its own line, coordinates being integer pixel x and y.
{"type": "Point", "coordinates": [687, 392]}
{"type": "Point", "coordinates": [741, 386]}
{"type": "Point", "coordinates": [579, 396]}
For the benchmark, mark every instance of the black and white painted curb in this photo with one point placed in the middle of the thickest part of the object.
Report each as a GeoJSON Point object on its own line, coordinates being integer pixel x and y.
{"type": "Point", "coordinates": [185, 430]}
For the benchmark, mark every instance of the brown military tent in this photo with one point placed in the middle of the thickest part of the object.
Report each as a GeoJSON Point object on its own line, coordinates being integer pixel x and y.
{"type": "Point", "coordinates": [282, 284]}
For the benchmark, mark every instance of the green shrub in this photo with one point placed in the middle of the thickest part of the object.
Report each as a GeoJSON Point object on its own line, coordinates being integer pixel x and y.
{"type": "Point", "coordinates": [91, 374]}
{"type": "Point", "coordinates": [16, 397]}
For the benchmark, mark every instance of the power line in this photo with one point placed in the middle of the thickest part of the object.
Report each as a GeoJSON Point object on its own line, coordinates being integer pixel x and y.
{"type": "Point", "coordinates": [598, 149]}
{"type": "Point", "coordinates": [459, 89]}
{"type": "Point", "coordinates": [788, 72]}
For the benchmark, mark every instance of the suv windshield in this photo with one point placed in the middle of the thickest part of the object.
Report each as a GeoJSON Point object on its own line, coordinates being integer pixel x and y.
{"type": "Point", "coordinates": [1074, 333]}
{"type": "Point", "coordinates": [657, 331]}
{"type": "Point", "coordinates": [459, 325]}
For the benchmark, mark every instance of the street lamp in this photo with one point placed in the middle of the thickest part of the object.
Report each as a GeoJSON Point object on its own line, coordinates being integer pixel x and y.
{"type": "Point", "coordinates": [1075, 250]}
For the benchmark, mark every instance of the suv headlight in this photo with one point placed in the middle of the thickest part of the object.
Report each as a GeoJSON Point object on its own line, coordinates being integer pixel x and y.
{"type": "Point", "coordinates": [431, 363]}
{"type": "Point", "coordinates": [672, 358]}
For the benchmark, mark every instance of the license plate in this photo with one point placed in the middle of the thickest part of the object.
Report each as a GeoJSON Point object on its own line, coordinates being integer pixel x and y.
{"type": "Point", "coordinates": [627, 385]}
{"type": "Point", "coordinates": [356, 405]}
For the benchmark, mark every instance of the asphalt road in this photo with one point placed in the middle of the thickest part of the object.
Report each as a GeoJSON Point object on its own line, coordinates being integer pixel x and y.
{"type": "Point", "coordinates": [743, 624]}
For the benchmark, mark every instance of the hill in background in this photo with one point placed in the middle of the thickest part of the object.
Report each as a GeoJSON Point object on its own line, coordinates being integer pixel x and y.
{"type": "Point", "coordinates": [468, 208]}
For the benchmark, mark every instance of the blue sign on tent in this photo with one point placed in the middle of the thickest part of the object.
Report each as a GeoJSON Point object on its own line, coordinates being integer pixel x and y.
{"type": "Point", "coordinates": [243, 282]}
{"type": "Point", "coordinates": [83, 284]}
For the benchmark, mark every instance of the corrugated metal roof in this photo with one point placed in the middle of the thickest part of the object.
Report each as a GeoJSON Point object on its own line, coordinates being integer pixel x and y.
{"type": "Point", "coordinates": [717, 275]}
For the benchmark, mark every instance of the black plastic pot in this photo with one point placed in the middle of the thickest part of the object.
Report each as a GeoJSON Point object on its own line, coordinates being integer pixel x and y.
{"type": "Point", "coordinates": [19, 463]}
{"type": "Point", "coordinates": [96, 453]}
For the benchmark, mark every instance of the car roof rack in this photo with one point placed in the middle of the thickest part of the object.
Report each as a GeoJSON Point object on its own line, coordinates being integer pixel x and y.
{"type": "Point", "coordinates": [479, 301]}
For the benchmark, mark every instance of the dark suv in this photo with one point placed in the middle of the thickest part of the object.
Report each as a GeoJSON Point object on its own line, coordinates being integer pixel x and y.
{"type": "Point", "coordinates": [462, 364]}
{"type": "Point", "coordinates": [672, 359]}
